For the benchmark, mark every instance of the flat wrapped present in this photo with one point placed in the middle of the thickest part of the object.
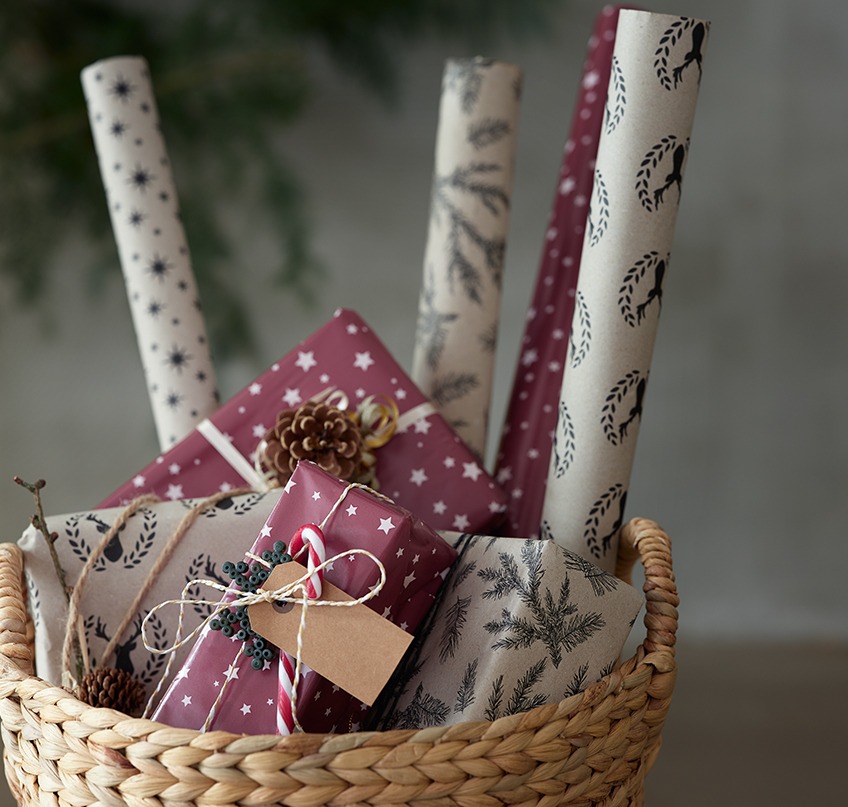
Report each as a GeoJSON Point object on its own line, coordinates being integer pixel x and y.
{"type": "Point", "coordinates": [416, 560]}
{"type": "Point", "coordinates": [520, 623]}
{"type": "Point", "coordinates": [123, 569]}
{"type": "Point", "coordinates": [424, 466]}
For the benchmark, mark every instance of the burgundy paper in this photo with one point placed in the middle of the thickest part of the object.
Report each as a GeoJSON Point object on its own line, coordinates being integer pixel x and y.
{"type": "Point", "coordinates": [525, 449]}
{"type": "Point", "coordinates": [425, 468]}
{"type": "Point", "coordinates": [416, 561]}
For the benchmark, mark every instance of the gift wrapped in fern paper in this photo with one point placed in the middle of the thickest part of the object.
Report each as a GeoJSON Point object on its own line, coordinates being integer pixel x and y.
{"type": "Point", "coordinates": [519, 623]}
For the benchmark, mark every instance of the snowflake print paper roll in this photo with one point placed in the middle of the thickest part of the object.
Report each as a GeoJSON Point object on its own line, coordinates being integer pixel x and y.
{"type": "Point", "coordinates": [639, 171]}
{"type": "Point", "coordinates": [152, 246]}
{"type": "Point", "coordinates": [525, 447]}
{"type": "Point", "coordinates": [459, 307]}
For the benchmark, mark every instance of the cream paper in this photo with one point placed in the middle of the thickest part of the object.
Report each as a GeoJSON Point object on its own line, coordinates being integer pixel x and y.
{"type": "Point", "coordinates": [641, 157]}
{"type": "Point", "coordinates": [152, 246]}
{"type": "Point", "coordinates": [519, 623]}
{"type": "Point", "coordinates": [459, 307]}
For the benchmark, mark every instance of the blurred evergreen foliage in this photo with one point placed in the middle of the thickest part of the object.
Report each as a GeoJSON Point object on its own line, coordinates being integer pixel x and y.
{"type": "Point", "coordinates": [227, 76]}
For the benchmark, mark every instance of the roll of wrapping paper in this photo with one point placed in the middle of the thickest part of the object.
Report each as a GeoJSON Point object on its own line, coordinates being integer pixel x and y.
{"type": "Point", "coordinates": [525, 448]}
{"type": "Point", "coordinates": [641, 159]}
{"type": "Point", "coordinates": [459, 307]}
{"type": "Point", "coordinates": [152, 246]}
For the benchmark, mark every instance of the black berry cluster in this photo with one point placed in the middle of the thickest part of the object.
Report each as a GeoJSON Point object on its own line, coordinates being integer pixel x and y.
{"type": "Point", "coordinates": [235, 621]}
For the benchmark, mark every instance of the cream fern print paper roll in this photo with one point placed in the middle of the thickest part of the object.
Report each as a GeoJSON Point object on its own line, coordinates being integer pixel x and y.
{"type": "Point", "coordinates": [455, 339]}
{"type": "Point", "coordinates": [152, 245]}
{"type": "Point", "coordinates": [638, 175]}
{"type": "Point", "coordinates": [519, 623]}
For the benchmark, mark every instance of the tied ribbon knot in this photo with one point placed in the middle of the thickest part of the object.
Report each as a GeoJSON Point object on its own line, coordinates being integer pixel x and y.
{"type": "Point", "coordinates": [294, 592]}
{"type": "Point", "coordinates": [378, 418]}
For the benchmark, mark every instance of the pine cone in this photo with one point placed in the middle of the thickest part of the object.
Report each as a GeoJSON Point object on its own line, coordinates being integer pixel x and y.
{"type": "Point", "coordinates": [112, 689]}
{"type": "Point", "coordinates": [318, 432]}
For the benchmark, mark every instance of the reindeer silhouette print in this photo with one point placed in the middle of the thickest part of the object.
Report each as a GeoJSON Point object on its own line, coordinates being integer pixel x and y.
{"type": "Point", "coordinates": [635, 411]}
{"type": "Point", "coordinates": [606, 540]}
{"type": "Point", "coordinates": [123, 652]}
{"type": "Point", "coordinates": [654, 293]}
{"type": "Point", "coordinates": [675, 177]}
{"type": "Point", "coordinates": [114, 549]}
{"type": "Point", "coordinates": [694, 54]}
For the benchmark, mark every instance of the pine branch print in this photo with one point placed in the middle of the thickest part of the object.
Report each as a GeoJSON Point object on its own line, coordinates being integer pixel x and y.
{"type": "Point", "coordinates": [462, 574]}
{"type": "Point", "coordinates": [578, 681]}
{"type": "Point", "coordinates": [432, 323]}
{"type": "Point", "coordinates": [553, 620]}
{"type": "Point", "coordinates": [521, 699]}
{"type": "Point", "coordinates": [462, 232]}
{"type": "Point", "coordinates": [453, 386]}
{"type": "Point", "coordinates": [487, 132]}
{"type": "Point", "coordinates": [452, 630]}
{"type": "Point", "coordinates": [423, 710]}
{"type": "Point", "coordinates": [493, 705]}
{"type": "Point", "coordinates": [465, 694]}
{"type": "Point", "coordinates": [465, 77]}
{"type": "Point", "coordinates": [601, 581]}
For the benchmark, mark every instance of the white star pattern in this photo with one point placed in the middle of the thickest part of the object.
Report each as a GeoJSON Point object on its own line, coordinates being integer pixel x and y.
{"type": "Point", "coordinates": [231, 672]}
{"type": "Point", "coordinates": [173, 469]}
{"type": "Point", "coordinates": [245, 709]}
{"type": "Point", "coordinates": [187, 700]}
{"type": "Point", "coordinates": [529, 357]}
{"type": "Point", "coordinates": [289, 485]}
{"type": "Point", "coordinates": [471, 470]}
{"type": "Point", "coordinates": [533, 453]}
{"type": "Point", "coordinates": [419, 477]}
{"type": "Point", "coordinates": [399, 553]}
{"type": "Point", "coordinates": [183, 673]}
{"type": "Point", "coordinates": [449, 462]}
{"type": "Point", "coordinates": [403, 626]}
{"type": "Point", "coordinates": [352, 329]}
{"type": "Point", "coordinates": [269, 702]}
{"type": "Point", "coordinates": [174, 492]}
{"type": "Point", "coordinates": [386, 525]}
{"type": "Point", "coordinates": [505, 474]}
{"type": "Point", "coordinates": [567, 185]}
{"type": "Point", "coordinates": [266, 531]}
{"type": "Point", "coordinates": [225, 487]}
{"type": "Point", "coordinates": [139, 481]}
{"type": "Point", "coordinates": [324, 378]}
{"type": "Point", "coordinates": [259, 431]}
{"type": "Point", "coordinates": [363, 360]}
{"type": "Point", "coordinates": [316, 495]}
{"type": "Point", "coordinates": [360, 393]}
{"type": "Point", "coordinates": [422, 426]}
{"type": "Point", "coordinates": [306, 361]}
{"type": "Point", "coordinates": [351, 510]}
{"type": "Point", "coordinates": [461, 522]}
{"type": "Point", "coordinates": [292, 397]}
{"type": "Point", "coordinates": [407, 581]}
{"type": "Point", "coordinates": [558, 334]}
{"type": "Point", "coordinates": [400, 394]}
{"type": "Point", "coordinates": [439, 507]}
{"type": "Point", "coordinates": [517, 493]}
{"type": "Point", "coordinates": [415, 559]}
{"type": "Point", "coordinates": [387, 612]}
{"type": "Point", "coordinates": [255, 388]}
{"type": "Point", "coordinates": [591, 80]}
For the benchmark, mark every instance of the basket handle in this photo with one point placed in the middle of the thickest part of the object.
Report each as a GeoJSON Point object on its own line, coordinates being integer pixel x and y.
{"type": "Point", "coordinates": [15, 625]}
{"type": "Point", "coordinates": [644, 539]}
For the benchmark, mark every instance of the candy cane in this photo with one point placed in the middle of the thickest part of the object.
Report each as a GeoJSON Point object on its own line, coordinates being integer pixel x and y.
{"type": "Point", "coordinates": [311, 537]}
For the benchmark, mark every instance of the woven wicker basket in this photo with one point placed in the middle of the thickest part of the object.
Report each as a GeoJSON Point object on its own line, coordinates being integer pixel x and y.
{"type": "Point", "coordinates": [593, 748]}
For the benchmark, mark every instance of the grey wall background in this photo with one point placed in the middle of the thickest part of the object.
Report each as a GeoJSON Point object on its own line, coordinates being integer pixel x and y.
{"type": "Point", "coordinates": [743, 446]}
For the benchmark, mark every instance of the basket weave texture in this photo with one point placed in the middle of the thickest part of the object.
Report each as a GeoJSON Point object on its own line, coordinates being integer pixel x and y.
{"type": "Point", "coordinates": [593, 748]}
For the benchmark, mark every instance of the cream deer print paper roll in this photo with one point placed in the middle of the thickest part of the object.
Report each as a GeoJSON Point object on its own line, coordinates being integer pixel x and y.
{"type": "Point", "coordinates": [638, 176]}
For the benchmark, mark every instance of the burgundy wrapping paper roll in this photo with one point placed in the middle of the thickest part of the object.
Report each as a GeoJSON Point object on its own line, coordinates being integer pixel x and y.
{"type": "Point", "coordinates": [525, 448]}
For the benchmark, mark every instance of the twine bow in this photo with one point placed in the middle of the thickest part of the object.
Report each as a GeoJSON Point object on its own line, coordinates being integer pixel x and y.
{"type": "Point", "coordinates": [294, 592]}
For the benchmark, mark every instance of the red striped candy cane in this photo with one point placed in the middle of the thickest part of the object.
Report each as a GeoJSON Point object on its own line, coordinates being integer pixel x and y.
{"type": "Point", "coordinates": [311, 537]}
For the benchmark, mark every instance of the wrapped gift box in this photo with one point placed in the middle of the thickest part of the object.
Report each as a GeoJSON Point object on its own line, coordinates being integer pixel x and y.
{"type": "Point", "coordinates": [416, 560]}
{"type": "Point", "coordinates": [123, 569]}
{"type": "Point", "coordinates": [519, 623]}
{"type": "Point", "coordinates": [425, 467]}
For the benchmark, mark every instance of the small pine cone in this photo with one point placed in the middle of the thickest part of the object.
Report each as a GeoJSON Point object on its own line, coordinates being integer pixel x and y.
{"type": "Point", "coordinates": [112, 689]}
{"type": "Point", "coordinates": [318, 432]}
